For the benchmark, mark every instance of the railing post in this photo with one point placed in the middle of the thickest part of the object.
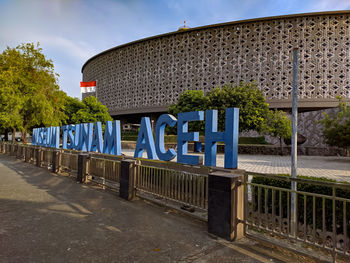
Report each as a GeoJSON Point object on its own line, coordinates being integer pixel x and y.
{"type": "Point", "coordinates": [38, 156]}
{"type": "Point", "coordinates": [127, 179]}
{"type": "Point", "coordinates": [56, 160]}
{"type": "Point", "coordinates": [26, 154]}
{"type": "Point", "coordinates": [82, 167]}
{"type": "Point", "coordinates": [226, 204]}
{"type": "Point", "coordinates": [18, 152]}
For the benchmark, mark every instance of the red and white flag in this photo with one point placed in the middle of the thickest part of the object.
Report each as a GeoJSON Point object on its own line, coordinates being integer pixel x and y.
{"type": "Point", "coordinates": [89, 86]}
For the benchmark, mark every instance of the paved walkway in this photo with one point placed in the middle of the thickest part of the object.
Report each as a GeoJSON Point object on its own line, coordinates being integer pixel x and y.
{"type": "Point", "coordinates": [337, 168]}
{"type": "Point", "coordinates": [46, 217]}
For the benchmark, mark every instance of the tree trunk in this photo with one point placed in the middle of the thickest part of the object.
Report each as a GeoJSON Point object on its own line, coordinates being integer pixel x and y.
{"type": "Point", "coordinates": [6, 135]}
{"type": "Point", "coordinates": [24, 136]}
{"type": "Point", "coordinates": [13, 135]}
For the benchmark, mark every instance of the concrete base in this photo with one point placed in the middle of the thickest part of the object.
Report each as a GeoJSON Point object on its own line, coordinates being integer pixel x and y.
{"type": "Point", "coordinates": [226, 204]}
{"type": "Point", "coordinates": [127, 180]}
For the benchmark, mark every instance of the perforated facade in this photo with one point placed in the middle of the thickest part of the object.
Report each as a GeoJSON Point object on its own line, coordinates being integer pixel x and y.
{"type": "Point", "coordinates": [149, 74]}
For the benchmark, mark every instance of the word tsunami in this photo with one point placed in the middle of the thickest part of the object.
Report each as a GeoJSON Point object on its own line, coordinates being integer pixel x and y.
{"type": "Point", "coordinates": [88, 137]}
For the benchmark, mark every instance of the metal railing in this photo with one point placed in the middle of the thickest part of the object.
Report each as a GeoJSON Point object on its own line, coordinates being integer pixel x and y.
{"type": "Point", "coordinates": [184, 187]}
{"type": "Point", "coordinates": [29, 154]}
{"type": "Point", "coordinates": [69, 162]}
{"type": "Point", "coordinates": [104, 171]}
{"type": "Point", "coordinates": [323, 211]}
{"type": "Point", "coordinates": [47, 158]}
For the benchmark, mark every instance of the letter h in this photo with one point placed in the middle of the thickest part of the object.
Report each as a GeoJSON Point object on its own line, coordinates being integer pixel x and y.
{"type": "Point", "coordinates": [229, 137]}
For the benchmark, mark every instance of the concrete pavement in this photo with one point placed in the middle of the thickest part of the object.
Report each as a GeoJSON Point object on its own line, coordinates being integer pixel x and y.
{"type": "Point", "coordinates": [50, 218]}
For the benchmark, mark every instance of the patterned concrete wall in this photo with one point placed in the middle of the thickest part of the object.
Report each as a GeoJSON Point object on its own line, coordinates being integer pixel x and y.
{"type": "Point", "coordinates": [308, 126]}
{"type": "Point", "coordinates": [148, 75]}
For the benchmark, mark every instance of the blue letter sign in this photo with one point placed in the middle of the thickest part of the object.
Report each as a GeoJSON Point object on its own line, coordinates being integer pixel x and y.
{"type": "Point", "coordinates": [88, 137]}
{"type": "Point", "coordinates": [183, 136]}
{"type": "Point", "coordinates": [163, 120]}
{"type": "Point", "coordinates": [145, 140]}
{"type": "Point", "coordinates": [230, 137]}
{"type": "Point", "coordinates": [112, 139]}
{"type": "Point", "coordinates": [97, 142]}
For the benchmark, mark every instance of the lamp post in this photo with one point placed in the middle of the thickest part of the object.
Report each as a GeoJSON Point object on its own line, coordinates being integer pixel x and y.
{"type": "Point", "coordinates": [294, 152]}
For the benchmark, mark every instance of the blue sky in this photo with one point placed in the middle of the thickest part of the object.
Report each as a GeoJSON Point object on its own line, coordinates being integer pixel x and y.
{"type": "Point", "coordinates": [72, 31]}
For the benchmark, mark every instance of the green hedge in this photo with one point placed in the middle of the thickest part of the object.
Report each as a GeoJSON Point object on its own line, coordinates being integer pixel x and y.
{"type": "Point", "coordinates": [132, 136]}
{"type": "Point", "coordinates": [309, 188]}
{"type": "Point", "coordinates": [252, 140]}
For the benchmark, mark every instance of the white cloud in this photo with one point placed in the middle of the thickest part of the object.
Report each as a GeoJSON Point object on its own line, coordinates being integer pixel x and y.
{"type": "Point", "coordinates": [78, 49]}
{"type": "Point", "coordinates": [324, 5]}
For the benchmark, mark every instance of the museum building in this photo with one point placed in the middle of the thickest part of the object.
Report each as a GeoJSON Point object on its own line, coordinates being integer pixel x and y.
{"type": "Point", "coordinates": [144, 77]}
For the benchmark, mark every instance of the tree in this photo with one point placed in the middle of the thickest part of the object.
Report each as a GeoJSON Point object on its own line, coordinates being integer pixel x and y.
{"type": "Point", "coordinates": [336, 129]}
{"type": "Point", "coordinates": [29, 89]}
{"type": "Point", "coordinates": [278, 125]}
{"type": "Point", "coordinates": [9, 104]}
{"type": "Point", "coordinates": [71, 107]}
{"type": "Point", "coordinates": [254, 113]}
{"type": "Point", "coordinates": [91, 111]}
{"type": "Point", "coordinates": [247, 97]}
{"type": "Point", "coordinates": [190, 100]}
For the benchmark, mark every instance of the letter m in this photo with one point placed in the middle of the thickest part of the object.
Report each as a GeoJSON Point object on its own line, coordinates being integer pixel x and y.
{"type": "Point", "coordinates": [112, 138]}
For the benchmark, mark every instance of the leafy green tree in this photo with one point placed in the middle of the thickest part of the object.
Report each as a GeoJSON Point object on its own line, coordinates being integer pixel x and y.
{"type": "Point", "coordinates": [9, 104]}
{"type": "Point", "coordinates": [278, 125]}
{"type": "Point", "coordinates": [247, 97]}
{"type": "Point", "coordinates": [28, 83]}
{"type": "Point", "coordinates": [190, 100]}
{"type": "Point", "coordinates": [91, 111]}
{"type": "Point", "coordinates": [336, 129]}
{"type": "Point", "coordinates": [254, 113]}
{"type": "Point", "coordinates": [71, 107]}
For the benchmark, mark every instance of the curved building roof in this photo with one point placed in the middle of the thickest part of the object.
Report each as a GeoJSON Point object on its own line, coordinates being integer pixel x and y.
{"type": "Point", "coordinates": [148, 75]}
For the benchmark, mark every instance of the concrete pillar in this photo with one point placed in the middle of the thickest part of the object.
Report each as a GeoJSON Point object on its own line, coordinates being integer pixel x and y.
{"type": "Point", "coordinates": [38, 156]}
{"type": "Point", "coordinates": [82, 167]}
{"type": "Point", "coordinates": [226, 204]}
{"type": "Point", "coordinates": [127, 179]}
{"type": "Point", "coordinates": [19, 151]}
{"type": "Point", "coordinates": [26, 154]}
{"type": "Point", "coordinates": [56, 154]}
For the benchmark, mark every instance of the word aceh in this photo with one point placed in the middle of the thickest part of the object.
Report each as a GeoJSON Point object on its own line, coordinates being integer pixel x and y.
{"type": "Point", "coordinates": [88, 137]}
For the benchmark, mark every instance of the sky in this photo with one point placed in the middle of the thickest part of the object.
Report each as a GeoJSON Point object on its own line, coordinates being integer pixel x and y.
{"type": "Point", "coordinates": [72, 31]}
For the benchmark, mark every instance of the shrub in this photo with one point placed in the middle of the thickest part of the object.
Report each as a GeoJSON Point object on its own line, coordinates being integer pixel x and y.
{"type": "Point", "coordinates": [308, 188]}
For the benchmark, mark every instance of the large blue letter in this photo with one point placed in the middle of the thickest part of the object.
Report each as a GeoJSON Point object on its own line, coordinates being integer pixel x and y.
{"type": "Point", "coordinates": [112, 138]}
{"type": "Point", "coordinates": [65, 136]}
{"type": "Point", "coordinates": [86, 130]}
{"type": "Point", "coordinates": [35, 137]}
{"type": "Point", "coordinates": [48, 137]}
{"type": "Point", "coordinates": [40, 136]}
{"type": "Point", "coordinates": [71, 128]}
{"type": "Point", "coordinates": [76, 142]}
{"type": "Point", "coordinates": [55, 137]}
{"type": "Point", "coordinates": [45, 136]}
{"type": "Point", "coordinates": [163, 120]}
{"type": "Point", "coordinates": [183, 136]}
{"type": "Point", "coordinates": [97, 139]}
{"type": "Point", "coordinates": [145, 140]}
{"type": "Point", "coordinates": [229, 137]}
